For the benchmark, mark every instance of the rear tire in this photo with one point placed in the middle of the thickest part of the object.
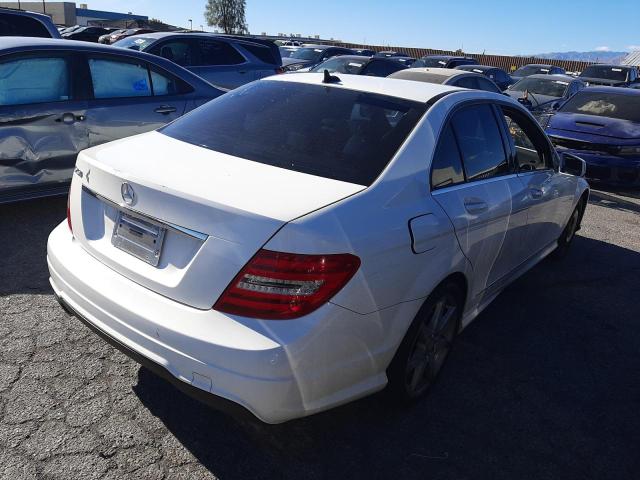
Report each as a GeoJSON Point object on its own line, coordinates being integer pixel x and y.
{"type": "Point", "coordinates": [426, 345]}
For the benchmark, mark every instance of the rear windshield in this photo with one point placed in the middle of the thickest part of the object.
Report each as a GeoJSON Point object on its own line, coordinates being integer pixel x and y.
{"type": "Point", "coordinates": [311, 54]}
{"type": "Point", "coordinates": [612, 105]}
{"type": "Point", "coordinates": [136, 42]}
{"type": "Point", "coordinates": [552, 88]}
{"type": "Point", "coordinates": [19, 26]}
{"type": "Point", "coordinates": [610, 73]}
{"type": "Point", "coordinates": [531, 70]}
{"type": "Point", "coordinates": [431, 62]}
{"type": "Point", "coordinates": [326, 131]}
{"type": "Point", "coordinates": [341, 65]}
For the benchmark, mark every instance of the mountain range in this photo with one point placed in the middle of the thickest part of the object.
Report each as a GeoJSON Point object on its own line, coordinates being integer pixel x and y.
{"type": "Point", "coordinates": [594, 56]}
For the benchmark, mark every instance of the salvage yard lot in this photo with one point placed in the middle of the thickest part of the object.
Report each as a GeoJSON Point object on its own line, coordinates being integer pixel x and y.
{"type": "Point", "coordinates": [544, 384]}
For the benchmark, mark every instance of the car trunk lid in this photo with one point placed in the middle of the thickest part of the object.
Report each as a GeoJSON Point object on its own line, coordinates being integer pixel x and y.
{"type": "Point", "coordinates": [216, 210]}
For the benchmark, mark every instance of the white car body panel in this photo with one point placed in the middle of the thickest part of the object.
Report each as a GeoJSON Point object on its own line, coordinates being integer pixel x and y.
{"type": "Point", "coordinates": [408, 239]}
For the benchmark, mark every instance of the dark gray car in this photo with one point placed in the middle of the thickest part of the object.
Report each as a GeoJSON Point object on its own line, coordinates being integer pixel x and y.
{"type": "Point", "coordinates": [545, 92]}
{"type": "Point", "coordinates": [223, 60]}
{"type": "Point", "coordinates": [60, 97]}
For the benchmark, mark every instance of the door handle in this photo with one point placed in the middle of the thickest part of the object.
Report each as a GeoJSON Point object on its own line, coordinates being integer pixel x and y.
{"type": "Point", "coordinates": [165, 109]}
{"type": "Point", "coordinates": [70, 118]}
{"type": "Point", "coordinates": [536, 193]}
{"type": "Point", "coordinates": [475, 205]}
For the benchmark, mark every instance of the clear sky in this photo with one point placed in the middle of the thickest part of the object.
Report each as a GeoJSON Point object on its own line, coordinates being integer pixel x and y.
{"type": "Point", "coordinates": [498, 26]}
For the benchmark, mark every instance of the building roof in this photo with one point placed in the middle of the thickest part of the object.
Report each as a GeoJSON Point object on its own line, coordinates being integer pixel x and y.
{"type": "Point", "coordinates": [104, 15]}
{"type": "Point", "coordinates": [632, 59]}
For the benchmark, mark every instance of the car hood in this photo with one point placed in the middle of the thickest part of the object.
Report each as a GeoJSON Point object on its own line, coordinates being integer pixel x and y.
{"type": "Point", "coordinates": [595, 125]}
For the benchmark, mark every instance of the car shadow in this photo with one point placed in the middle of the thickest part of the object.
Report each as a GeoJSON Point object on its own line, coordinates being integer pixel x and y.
{"type": "Point", "coordinates": [24, 230]}
{"type": "Point", "coordinates": [541, 385]}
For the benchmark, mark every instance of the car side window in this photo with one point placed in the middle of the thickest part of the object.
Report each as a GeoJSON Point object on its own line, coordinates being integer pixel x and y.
{"type": "Point", "coordinates": [487, 85]}
{"type": "Point", "coordinates": [380, 69]}
{"type": "Point", "coordinates": [466, 82]}
{"type": "Point", "coordinates": [446, 166]}
{"type": "Point", "coordinates": [179, 51]}
{"type": "Point", "coordinates": [214, 52]}
{"type": "Point", "coordinates": [19, 26]}
{"type": "Point", "coordinates": [165, 84]}
{"type": "Point", "coordinates": [531, 148]}
{"type": "Point", "coordinates": [34, 80]}
{"type": "Point", "coordinates": [480, 142]}
{"type": "Point", "coordinates": [117, 79]}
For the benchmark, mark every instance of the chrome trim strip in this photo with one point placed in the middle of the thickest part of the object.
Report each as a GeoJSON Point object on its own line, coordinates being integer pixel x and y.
{"type": "Point", "coordinates": [471, 183]}
{"type": "Point", "coordinates": [186, 231]}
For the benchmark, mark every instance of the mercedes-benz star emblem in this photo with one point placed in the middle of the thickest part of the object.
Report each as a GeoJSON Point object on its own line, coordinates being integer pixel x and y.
{"type": "Point", "coordinates": [128, 195]}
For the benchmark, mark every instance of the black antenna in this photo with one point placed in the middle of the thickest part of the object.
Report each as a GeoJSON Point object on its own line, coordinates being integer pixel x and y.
{"type": "Point", "coordinates": [328, 78]}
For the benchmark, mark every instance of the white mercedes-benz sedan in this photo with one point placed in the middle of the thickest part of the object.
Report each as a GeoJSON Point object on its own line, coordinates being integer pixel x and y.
{"type": "Point", "coordinates": [306, 240]}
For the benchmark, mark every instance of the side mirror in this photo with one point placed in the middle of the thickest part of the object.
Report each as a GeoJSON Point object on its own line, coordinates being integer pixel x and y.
{"type": "Point", "coordinates": [572, 165]}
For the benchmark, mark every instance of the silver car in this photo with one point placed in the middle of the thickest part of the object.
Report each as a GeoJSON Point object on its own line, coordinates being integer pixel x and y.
{"type": "Point", "coordinates": [223, 60]}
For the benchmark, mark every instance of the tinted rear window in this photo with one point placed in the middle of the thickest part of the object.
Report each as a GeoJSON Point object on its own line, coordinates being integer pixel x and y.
{"type": "Point", "coordinates": [19, 26]}
{"type": "Point", "coordinates": [612, 105]}
{"type": "Point", "coordinates": [610, 73]}
{"type": "Point", "coordinates": [319, 130]}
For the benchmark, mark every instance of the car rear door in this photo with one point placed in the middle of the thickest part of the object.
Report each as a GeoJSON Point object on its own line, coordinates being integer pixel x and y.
{"type": "Point", "coordinates": [129, 96]}
{"type": "Point", "coordinates": [42, 125]}
{"type": "Point", "coordinates": [548, 195]}
{"type": "Point", "coordinates": [217, 61]}
{"type": "Point", "coordinates": [481, 200]}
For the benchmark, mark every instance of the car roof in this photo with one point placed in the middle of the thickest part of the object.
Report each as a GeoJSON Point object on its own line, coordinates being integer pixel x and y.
{"type": "Point", "coordinates": [441, 72]}
{"type": "Point", "coordinates": [26, 43]}
{"type": "Point", "coordinates": [555, 76]}
{"type": "Point", "coordinates": [449, 57]}
{"type": "Point", "coordinates": [541, 65]}
{"type": "Point", "coordinates": [609, 65]}
{"type": "Point", "coordinates": [477, 67]}
{"type": "Point", "coordinates": [405, 89]}
{"type": "Point", "coordinates": [25, 13]}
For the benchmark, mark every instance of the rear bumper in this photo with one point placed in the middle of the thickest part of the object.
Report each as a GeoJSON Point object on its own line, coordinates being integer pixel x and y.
{"type": "Point", "coordinates": [275, 370]}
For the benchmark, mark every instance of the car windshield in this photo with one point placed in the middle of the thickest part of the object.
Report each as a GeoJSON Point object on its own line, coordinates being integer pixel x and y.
{"type": "Point", "coordinates": [531, 70]}
{"type": "Point", "coordinates": [308, 53]}
{"type": "Point", "coordinates": [612, 105]}
{"type": "Point", "coordinates": [430, 62]}
{"type": "Point", "coordinates": [610, 73]}
{"type": "Point", "coordinates": [286, 51]}
{"type": "Point", "coordinates": [331, 132]}
{"type": "Point", "coordinates": [541, 86]}
{"type": "Point", "coordinates": [135, 43]}
{"type": "Point", "coordinates": [340, 65]}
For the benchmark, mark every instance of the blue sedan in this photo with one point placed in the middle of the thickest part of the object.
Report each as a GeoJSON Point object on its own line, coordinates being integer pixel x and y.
{"type": "Point", "coordinates": [58, 98]}
{"type": "Point", "coordinates": [602, 126]}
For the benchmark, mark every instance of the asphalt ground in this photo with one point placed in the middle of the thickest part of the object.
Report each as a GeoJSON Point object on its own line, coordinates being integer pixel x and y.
{"type": "Point", "coordinates": [545, 384]}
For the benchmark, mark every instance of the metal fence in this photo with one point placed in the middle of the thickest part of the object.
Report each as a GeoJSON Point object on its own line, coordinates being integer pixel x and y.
{"type": "Point", "coordinates": [505, 62]}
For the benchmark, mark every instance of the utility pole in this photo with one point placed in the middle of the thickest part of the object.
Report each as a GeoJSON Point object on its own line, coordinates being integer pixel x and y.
{"type": "Point", "coordinates": [191, 24]}
{"type": "Point", "coordinates": [44, 8]}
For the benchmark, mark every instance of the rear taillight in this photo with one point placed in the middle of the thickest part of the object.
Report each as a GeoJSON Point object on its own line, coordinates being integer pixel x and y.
{"type": "Point", "coordinates": [69, 212]}
{"type": "Point", "coordinates": [282, 286]}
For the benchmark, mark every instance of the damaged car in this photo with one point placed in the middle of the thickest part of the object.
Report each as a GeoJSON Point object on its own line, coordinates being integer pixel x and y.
{"type": "Point", "coordinates": [58, 98]}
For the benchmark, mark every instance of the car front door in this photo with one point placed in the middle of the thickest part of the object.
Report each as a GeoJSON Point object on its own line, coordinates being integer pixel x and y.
{"type": "Point", "coordinates": [129, 97]}
{"type": "Point", "coordinates": [482, 200]}
{"type": "Point", "coordinates": [42, 123]}
{"type": "Point", "coordinates": [548, 195]}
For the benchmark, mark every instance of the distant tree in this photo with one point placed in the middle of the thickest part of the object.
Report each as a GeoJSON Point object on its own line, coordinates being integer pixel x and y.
{"type": "Point", "coordinates": [227, 15]}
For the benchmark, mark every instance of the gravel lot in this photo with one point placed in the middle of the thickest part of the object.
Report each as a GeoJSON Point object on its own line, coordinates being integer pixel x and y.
{"type": "Point", "coordinates": [543, 385]}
